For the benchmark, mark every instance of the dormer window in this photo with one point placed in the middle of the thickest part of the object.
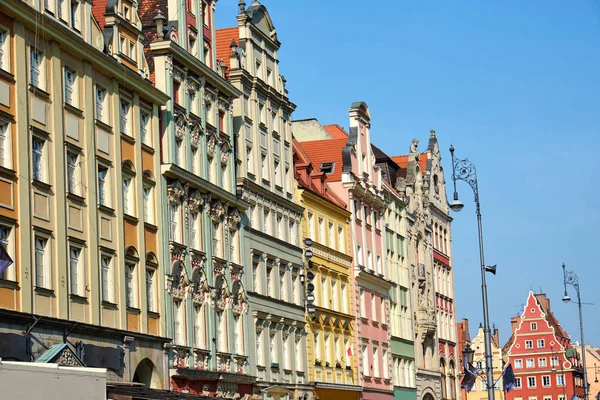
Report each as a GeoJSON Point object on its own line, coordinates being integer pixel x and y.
{"type": "Point", "coordinates": [122, 44]}
{"type": "Point", "coordinates": [127, 13]}
{"type": "Point", "coordinates": [132, 50]}
{"type": "Point", "coordinates": [328, 167]}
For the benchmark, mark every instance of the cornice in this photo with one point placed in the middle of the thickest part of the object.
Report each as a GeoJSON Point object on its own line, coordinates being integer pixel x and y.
{"type": "Point", "coordinates": [192, 63]}
{"type": "Point", "coordinates": [267, 194]}
{"type": "Point", "coordinates": [76, 46]}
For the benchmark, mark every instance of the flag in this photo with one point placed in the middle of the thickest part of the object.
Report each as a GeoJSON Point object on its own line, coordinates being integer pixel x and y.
{"type": "Point", "coordinates": [574, 397]}
{"type": "Point", "coordinates": [5, 260]}
{"type": "Point", "coordinates": [508, 379]}
{"type": "Point", "coordinates": [465, 363]}
{"type": "Point", "coordinates": [468, 381]}
{"type": "Point", "coordinates": [598, 396]}
{"type": "Point", "coordinates": [349, 351]}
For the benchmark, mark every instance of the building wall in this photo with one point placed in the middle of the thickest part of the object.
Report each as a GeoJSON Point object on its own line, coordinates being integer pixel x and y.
{"type": "Point", "coordinates": [479, 391]}
{"type": "Point", "coordinates": [81, 250]}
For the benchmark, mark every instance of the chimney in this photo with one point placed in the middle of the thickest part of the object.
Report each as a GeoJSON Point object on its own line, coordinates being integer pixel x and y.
{"type": "Point", "coordinates": [514, 323]}
{"type": "Point", "coordinates": [544, 301]}
{"type": "Point", "coordinates": [496, 337]}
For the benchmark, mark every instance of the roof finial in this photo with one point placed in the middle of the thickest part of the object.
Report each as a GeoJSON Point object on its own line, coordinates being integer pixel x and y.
{"type": "Point", "coordinates": [432, 133]}
{"type": "Point", "coordinates": [233, 46]}
{"type": "Point", "coordinates": [242, 5]}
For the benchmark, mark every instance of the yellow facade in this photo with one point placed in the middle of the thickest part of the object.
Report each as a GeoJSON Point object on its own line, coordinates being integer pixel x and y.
{"type": "Point", "coordinates": [479, 391]}
{"type": "Point", "coordinates": [331, 330]}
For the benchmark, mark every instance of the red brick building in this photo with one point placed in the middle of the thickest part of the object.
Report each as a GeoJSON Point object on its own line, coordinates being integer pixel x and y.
{"type": "Point", "coordinates": [545, 363]}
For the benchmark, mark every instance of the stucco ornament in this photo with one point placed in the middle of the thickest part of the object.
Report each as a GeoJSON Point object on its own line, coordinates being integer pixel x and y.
{"type": "Point", "coordinates": [68, 358]}
{"type": "Point", "coordinates": [201, 290]}
{"type": "Point", "coordinates": [222, 294]}
{"type": "Point", "coordinates": [225, 153]}
{"type": "Point", "coordinates": [195, 133]}
{"type": "Point", "coordinates": [234, 218]}
{"type": "Point", "coordinates": [195, 201]}
{"type": "Point", "coordinates": [239, 299]}
{"type": "Point", "coordinates": [211, 145]}
{"type": "Point", "coordinates": [180, 357]}
{"type": "Point", "coordinates": [216, 211]}
{"type": "Point", "coordinates": [201, 360]}
{"type": "Point", "coordinates": [175, 193]}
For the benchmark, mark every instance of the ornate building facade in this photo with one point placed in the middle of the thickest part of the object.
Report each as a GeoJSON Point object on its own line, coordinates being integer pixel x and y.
{"type": "Point", "coordinates": [358, 183]}
{"type": "Point", "coordinates": [78, 215]}
{"type": "Point", "coordinates": [479, 391]}
{"type": "Point", "coordinates": [401, 312]}
{"type": "Point", "coordinates": [545, 363]}
{"type": "Point", "coordinates": [421, 180]}
{"type": "Point", "coordinates": [207, 305]}
{"type": "Point", "coordinates": [331, 330]}
{"type": "Point", "coordinates": [264, 171]}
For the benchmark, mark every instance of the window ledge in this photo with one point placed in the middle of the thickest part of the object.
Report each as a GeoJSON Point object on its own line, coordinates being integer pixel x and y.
{"type": "Point", "coordinates": [127, 137]}
{"type": "Point", "coordinates": [44, 291]}
{"type": "Point", "coordinates": [133, 310]}
{"type": "Point", "coordinates": [153, 314]}
{"type": "Point", "coordinates": [150, 226]}
{"type": "Point", "coordinates": [9, 283]}
{"type": "Point", "coordinates": [106, 209]}
{"type": "Point", "coordinates": [41, 185]}
{"type": "Point", "coordinates": [8, 172]}
{"type": "Point", "coordinates": [130, 218]}
{"type": "Point", "coordinates": [148, 148]}
{"type": "Point", "coordinates": [78, 298]}
{"type": "Point", "coordinates": [74, 110]}
{"type": "Point", "coordinates": [75, 197]}
{"type": "Point", "coordinates": [39, 92]}
{"type": "Point", "coordinates": [7, 75]}
{"type": "Point", "coordinates": [109, 305]}
{"type": "Point", "coordinates": [103, 125]}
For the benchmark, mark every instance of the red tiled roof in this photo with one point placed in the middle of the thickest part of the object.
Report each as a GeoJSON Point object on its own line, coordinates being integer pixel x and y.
{"type": "Point", "coordinates": [402, 162]}
{"type": "Point", "coordinates": [224, 38]}
{"type": "Point", "coordinates": [328, 150]}
{"type": "Point", "coordinates": [98, 10]}
{"type": "Point", "coordinates": [336, 131]}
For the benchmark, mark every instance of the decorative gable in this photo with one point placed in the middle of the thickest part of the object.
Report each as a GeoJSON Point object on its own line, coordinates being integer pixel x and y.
{"type": "Point", "coordinates": [60, 354]}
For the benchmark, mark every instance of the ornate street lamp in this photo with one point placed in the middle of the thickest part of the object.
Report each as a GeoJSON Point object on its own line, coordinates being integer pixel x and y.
{"type": "Point", "coordinates": [570, 278]}
{"type": "Point", "coordinates": [468, 354]}
{"type": "Point", "coordinates": [464, 170]}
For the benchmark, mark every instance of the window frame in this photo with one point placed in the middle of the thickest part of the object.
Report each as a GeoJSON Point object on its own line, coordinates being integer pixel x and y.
{"type": "Point", "coordinates": [77, 276]}
{"type": "Point", "coordinates": [107, 283]}
{"type": "Point", "coordinates": [39, 162]}
{"type": "Point", "coordinates": [69, 86]}
{"type": "Point", "coordinates": [36, 70]}
{"type": "Point", "coordinates": [43, 273]}
{"type": "Point", "coordinates": [5, 49]}
{"type": "Point", "coordinates": [8, 242]}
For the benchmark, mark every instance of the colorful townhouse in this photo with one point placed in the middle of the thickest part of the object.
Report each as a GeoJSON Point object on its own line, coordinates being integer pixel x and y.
{"type": "Point", "coordinates": [265, 180]}
{"type": "Point", "coordinates": [360, 186]}
{"type": "Point", "coordinates": [545, 363]}
{"type": "Point", "coordinates": [401, 311]}
{"type": "Point", "coordinates": [421, 180]}
{"type": "Point", "coordinates": [331, 329]}
{"type": "Point", "coordinates": [479, 390]}
{"type": "Point", "coordinates": [207, 305]}
{"type": "Point", "coordinates": [80, 183]}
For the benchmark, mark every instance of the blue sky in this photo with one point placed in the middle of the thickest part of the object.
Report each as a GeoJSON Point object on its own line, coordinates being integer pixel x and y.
{"type": "Point", "coordinates": [513, 85]}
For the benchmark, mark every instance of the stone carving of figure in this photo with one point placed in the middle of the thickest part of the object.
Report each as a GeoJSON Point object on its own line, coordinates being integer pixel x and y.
{"type": "Point", "coordinates": [414, 149]}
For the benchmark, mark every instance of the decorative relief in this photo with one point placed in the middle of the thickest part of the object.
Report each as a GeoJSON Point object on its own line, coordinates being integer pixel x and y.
{"type": "Point", "coordinates": [181, 356]}
{"type": "Point", "coordinates": [201, 360]}
{"type": "Point", "coordinates": [222, 364]}
{"type": "Point", "coordinates": [178, 282]}
{"type": "Point", "coordinates": [200, 290]}
{"type": "Point", "coordinates": [169, 64]}
{"type": "Point", "coordinates": [175, 193]}
{"type": "Point", "coordinates": [216, 211]}
{"type": "Point", "coordinates": [68, 358]}
{"type": "Point", "coordinates": [211, 145]}
{"type": "Point", "coordinates": [180, 125]}
{"type": "Point", "coordinates": [195, 133]}
{"type": "Point", "coordinates": [241, 365]}
{"type": "Point", "coordinates": [195, 201]}
{"type": "Point", "coordinates": [239, 299]}
{"type": "Point", "coordinates": [234, 218]}
{"type": "Point", "coordinates": [222, 294]}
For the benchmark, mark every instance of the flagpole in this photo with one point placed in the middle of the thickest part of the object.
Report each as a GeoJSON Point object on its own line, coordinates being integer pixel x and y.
{"type": "Point", "coordinates": [465, 170]}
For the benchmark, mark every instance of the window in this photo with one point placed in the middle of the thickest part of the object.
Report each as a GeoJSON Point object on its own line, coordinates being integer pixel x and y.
{"type": "Point", "coordinates": [367, 215]}
{"type": "Point", "coordinates": [73, 173]}
{"type": "Point", "coordinates": [148, 200]}
{"type": "Point", "coordinates": [273, 348]}
{"type": "Point", "coordinates": [4, 49]}
{"type": "Point", "coordinates": [518, 383]}
{"type": "Point", "coordinates": [327, 167]}
{"type": "Point", "coordinates": [100, 97]}
{"type": "Point", "coordinates": [355, 209]}
{"type": "Point", "coordinates": [277, 176]}
{"type": "Point", "coordinates": [107, 278]}
{"type": "Point", "coordinates": [216, 238]}
{"type": "Point", "coordinates": [540, 343]}
{"type": "Point", "coordinates": [369, 260]}
{"type": "Point", "coordinates": [534, 326]}
{"type": "Point", "coordinates": [518, 364]}
{"type": "Point", "coordinates": [69, 87]}
{"type": "Point", "coordinates": [375, 361]}
{"type": "Point", "coordinates": [128, 197]}
{"type": "Point", "coordinates": [554, 361]}
{"type": "Point", "coordinates": [341, 239]}
{"type": "Point", "coordinates": [173, 222]}
{"type": "Point", "coordinates": [529, 344]}
{"type": "Point", "coordinates": [76, 271]}
{"type": "Point", "coordinates": [258, 70]}
{"type": "Point", "coordinates": [542, 362]}
{"type": "Point", "coordinates": [150, 290]}
{"type": "Point", "coordinates": [531, 381]}
{"type": "Point", "coordinates": [178, 322]}
{"type": "Point", "coordinates": [75, 15]}
{"type": "Point", "coordinates": [103, 198]}
{"type": "Point", "coordinates": [5, 145]}
{"type": "Point", "coordinates": [363, 306]}
{"type": "Point", "coordinates": [269, 77]}
{"type": "Point", "coordinates": [249, 164]}
{"type": "Point", "coordinates": [132, 50]}
{"type": "Point", "coordinates": [131, 285]}
{"type": "Point", "coordinates": [61, 11]}
{"type": "Point", "coordinates": [36, 75]}
{"type": "Point", "coordinates": [195, 230]}
{"type": "Point", "coordinates": [122, 44]}
{"type": "Point", "coordinates": [42, 263]}
{"type": "Point", "coordinates": [263, 167]}
{"type": "Point", "coordinates": [124, 116]}
{"type": "Point", "coordinates": [331, 241]}
{"type": "Point", "coordinates": [38, 159]}
{"type": "Point", "coordinates": [560, 380]}
{"type": "Point", "coordinates": [321, 230]}
{"type": "Point", "coordinates": [7, 242]}
{"type": "Point", "coordinates": [266, 224]}
{"type": "Point", "coordinates": [545, 380]}
{"type": "Point", "coordinates": [146, 138]}
{"type": "Point", "coordinates": [262, 114]}
{"type": "Point", "coordinates": [359, 257]}
{"type": "Point", "coordinates": [365, 360]}
{"type": "Point", "coordinates": [530, 363]}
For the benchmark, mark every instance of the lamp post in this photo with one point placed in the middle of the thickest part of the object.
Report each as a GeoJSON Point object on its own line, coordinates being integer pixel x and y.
{"type": "Point", "coordinates": [570, 278]}
{"type": "Point", "coordinates": [464, 170]}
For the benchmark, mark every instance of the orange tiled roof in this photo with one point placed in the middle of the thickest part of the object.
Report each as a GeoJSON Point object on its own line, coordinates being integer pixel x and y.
{"type": "Point", "coordinates": [328, 150]}
{"type": "Point", "coordinates": [98, 11]}
{"type": "Point", "coordinates": [224, 38]}
{"type": "Point", "coordinates": [402, 162]}
{"type": "Point", "coordinates": [336, 131]}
